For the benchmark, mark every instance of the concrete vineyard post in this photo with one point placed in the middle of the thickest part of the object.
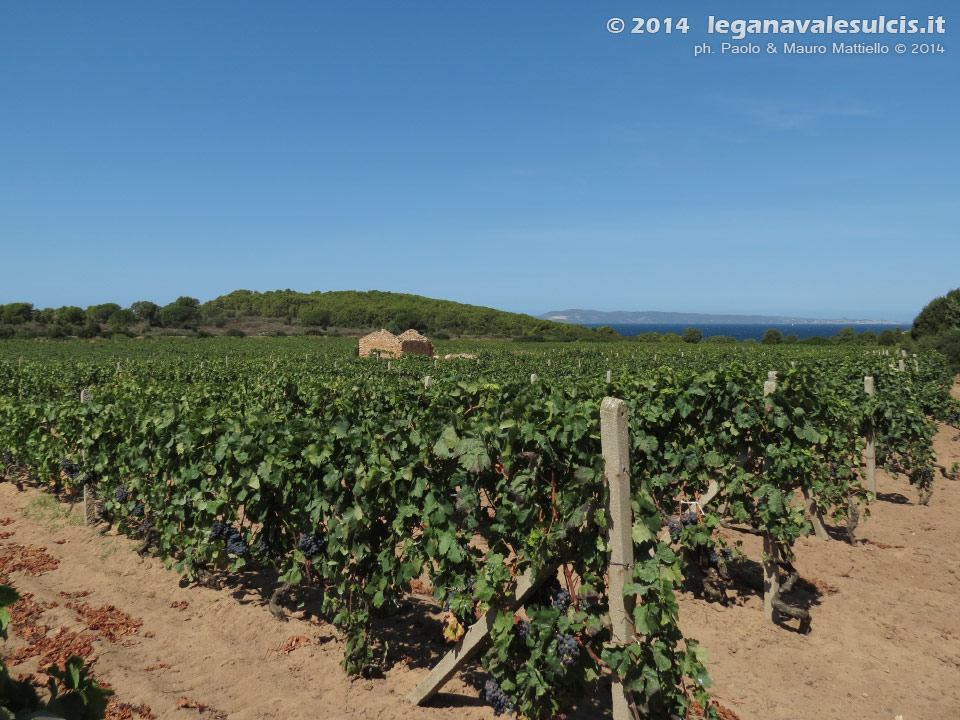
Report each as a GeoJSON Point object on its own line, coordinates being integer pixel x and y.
{"type": "Point", "coordinates": [614, 444]}
{"type": "Point", "coordinates": [870, 454]}
{"type": "Point", "coordinates": [901, 367]}
{"type": "Point", "coordinates": [389, 365]}
{"type": "Point", "coordinates": [609, 377]}
{"type": "Point", "coordinates": [533, 378]}
{"type": "Point", "coordinates": [427, 382]}
{"type": "Point", "coordinates": [89, 495]}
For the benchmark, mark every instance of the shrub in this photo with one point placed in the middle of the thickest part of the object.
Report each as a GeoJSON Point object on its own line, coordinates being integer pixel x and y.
{"type": "Point", "coordinates": [235, 332]}
{"type": "Point", "coordinates": [772, 337]}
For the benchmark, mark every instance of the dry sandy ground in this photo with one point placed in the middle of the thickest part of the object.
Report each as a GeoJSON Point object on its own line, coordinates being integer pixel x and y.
{"type": "Point", "coordinates": [885, 639]}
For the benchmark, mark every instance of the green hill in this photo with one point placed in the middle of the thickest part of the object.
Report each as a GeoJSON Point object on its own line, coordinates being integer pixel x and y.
{"type": "Point", "coordinates": [394, 311]}
{"type": "Point", "coordinates": [288, 310]}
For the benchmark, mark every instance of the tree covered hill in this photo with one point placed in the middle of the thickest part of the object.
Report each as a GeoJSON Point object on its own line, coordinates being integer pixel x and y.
{"type": "Point", "coordinates": [339, 309]}
{"type": "Point", "coordinates": [937, 327]}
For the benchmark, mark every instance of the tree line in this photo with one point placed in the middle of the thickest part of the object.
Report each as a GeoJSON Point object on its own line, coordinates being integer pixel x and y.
{"type": "Point", "coordinates": [846, 336]}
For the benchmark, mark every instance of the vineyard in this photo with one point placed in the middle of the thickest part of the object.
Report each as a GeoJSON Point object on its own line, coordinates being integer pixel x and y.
{"type": "Point", "coordinates": [352, 484]}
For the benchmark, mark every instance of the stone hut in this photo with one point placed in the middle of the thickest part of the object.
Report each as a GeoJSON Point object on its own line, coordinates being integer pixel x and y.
{"type": "Point", "coordinates": [387, 344]}
{"type": "Point", "coordinates": [413, 343]}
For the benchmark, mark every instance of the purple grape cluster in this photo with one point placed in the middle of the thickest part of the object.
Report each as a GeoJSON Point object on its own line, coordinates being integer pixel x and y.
{"type": "Point", "coordinates": [676, 525]}
{"type": "Point", "coordinates": [236, 545]}
{"type": "Point", "coordinates": [69, 468]}
{"type": "Point", "coordinates": [561, 600]}
{"type": "Point", "coordinates": [146, 526]}
{"type": "Point", "coordinates": [121, 495]}
{"type": "Point", "coordinates": [568, 649]}
{"type": "Point", "coordinates": [311, 545]}
{"type": "Point", "coordinates": [715, 557]}
{"type": "Point", "coordinates": [7, 457]}
{"type": "Point", "coordinates": [497, 698]}
{"type": "Point", "coordinates": [523, 628]}
{"type": "Point", "coordinates": [218, 530]}
{"type": "Point", "coordinates": [138, 510]}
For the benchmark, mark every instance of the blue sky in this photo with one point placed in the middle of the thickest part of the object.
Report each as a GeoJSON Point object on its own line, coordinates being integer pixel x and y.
{"type": "Point", "coordinates": [515, 155]}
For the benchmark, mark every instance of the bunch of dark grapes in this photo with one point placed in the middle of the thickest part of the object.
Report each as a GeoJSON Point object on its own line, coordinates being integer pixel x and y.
{"type": "Point", "coordinates": [568, 649]}
{"type": "Point", "coordinates": [497, 698]}
{"type": "Point", "coordinates": [235, 543]}
{"type": "Point", "coordinates": [715, 557]}
{"type": "Point", "coordinates": [69, 468]}
{"type": "Point", "coordinates": [263, 545]}
{"type": "Point", "coordinates": [561, 600]}
{"type": "Point", "coordinates": [7, 457]}
{"type": "Point", "coordinates": [89, 478]}
{"type": "Point", "coordinates": [675, 527]}
{"type": "Point", "coordinates": [219, 530]}
{"type": "Point", "coordinates": [689, 518]}
{"type": "Point", "coordinates": [523, 628]}
{"type": "Point", "coordinates": [121, 495]}
{"type": "Point", "coordinates": [138, 510]}
{"type": "Point", "coordinates": [102, 512]}
{"type": "Point", "coordinates": [311, 545]}
{"type": "Point", "coordinates": [146, 526]}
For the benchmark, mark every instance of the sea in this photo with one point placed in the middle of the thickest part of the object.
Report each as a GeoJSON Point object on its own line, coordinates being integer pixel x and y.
{"type": "Point", "coordinates": [745, 331]}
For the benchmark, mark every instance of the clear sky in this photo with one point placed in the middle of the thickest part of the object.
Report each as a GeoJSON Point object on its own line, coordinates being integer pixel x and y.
{"type": "Point", "coordinates": [510, 154]}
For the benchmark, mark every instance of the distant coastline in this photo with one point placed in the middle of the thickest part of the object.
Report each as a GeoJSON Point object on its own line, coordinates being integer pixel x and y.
{"type": "Point", "coordinates": [622, 317]}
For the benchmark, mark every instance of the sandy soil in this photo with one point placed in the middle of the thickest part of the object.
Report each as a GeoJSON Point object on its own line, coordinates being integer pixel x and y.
{"type": "Point", "coordinates": [885, 639]}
